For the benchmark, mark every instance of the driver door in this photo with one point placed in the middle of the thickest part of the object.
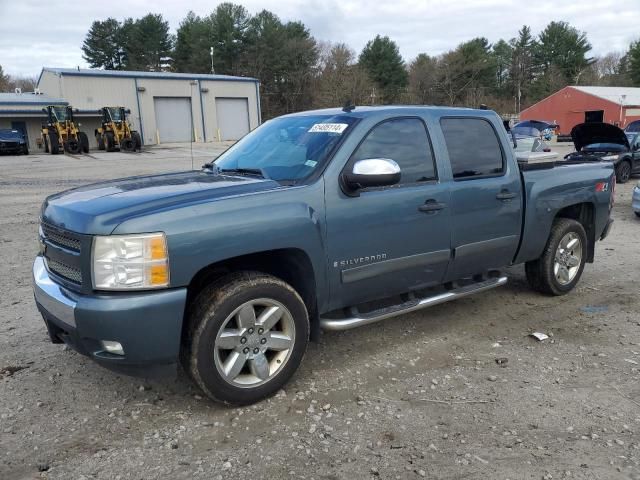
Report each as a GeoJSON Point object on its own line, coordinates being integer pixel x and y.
{"type": "Point", "coordinates": [389, 240]}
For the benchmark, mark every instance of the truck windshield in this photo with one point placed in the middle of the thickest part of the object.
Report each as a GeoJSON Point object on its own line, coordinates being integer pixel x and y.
{"type": "Point", "coordinates": [60, 113]}
{"type": "Point", "coordinates": [115, 114]}
{"type": "Point", "coordinates": [287, 148]}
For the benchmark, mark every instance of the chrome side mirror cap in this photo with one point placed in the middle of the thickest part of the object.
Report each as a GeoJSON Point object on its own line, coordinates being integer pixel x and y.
{"type": "Point", "coordinates": [372, 172]}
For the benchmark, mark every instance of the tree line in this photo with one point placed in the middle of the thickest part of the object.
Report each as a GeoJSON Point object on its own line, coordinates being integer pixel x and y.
{"type": "Point", "coordinates": [298, 72]}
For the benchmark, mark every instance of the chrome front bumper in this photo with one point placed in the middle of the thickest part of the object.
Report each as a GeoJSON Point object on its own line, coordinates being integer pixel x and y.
{"type": "Point", "coordinates": [51, 296]}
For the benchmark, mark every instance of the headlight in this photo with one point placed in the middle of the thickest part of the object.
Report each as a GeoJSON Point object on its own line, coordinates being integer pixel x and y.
{"type": "Point", "coordinates": [611, 157]}
{"type": "Point", "coordinates": [130, 262]}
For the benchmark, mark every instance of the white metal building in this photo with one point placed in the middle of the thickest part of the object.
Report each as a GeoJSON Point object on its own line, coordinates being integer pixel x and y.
{"type": "Point", "coordinates": [23, 111]}
{"type": "Point", "coordinates": [165, 107]}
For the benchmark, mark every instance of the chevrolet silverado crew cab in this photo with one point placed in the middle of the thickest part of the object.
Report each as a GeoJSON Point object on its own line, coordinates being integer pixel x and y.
{"type": "Point", "coordinates": [327, 219]}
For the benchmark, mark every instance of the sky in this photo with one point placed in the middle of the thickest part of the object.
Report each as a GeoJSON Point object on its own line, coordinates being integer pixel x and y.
{"type": "Point", "coordinates": [34, 33]}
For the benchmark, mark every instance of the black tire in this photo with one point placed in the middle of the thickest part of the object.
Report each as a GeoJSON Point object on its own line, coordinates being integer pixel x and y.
{"type": "Point", "coordinates": [540, 272]}
{"type": "Point", "coordinates": [45, 141]}
{"type": "Point", "coordinates": [127, 145]}
{"type": "Point", "coordinates": [637, 214]}
{"type": "Point", "coordinates": [54, 143]}
{"type": "Point", "coordinates": [137, 141]}
{"type": "Point", "coordinates": [109, 141]}
{"type": "Point", "coordinates": [623, 172]}
{"type": "Point", "coordinates": [100, 142]}
{"type": "Point", "coordinates": [72, 146]}
{"type": "Point", "coordinates": [84, 142]}
{"type": "Point", "coordinates": [208, 315]}
{"type": "Point", "coordinates": [25, 150]}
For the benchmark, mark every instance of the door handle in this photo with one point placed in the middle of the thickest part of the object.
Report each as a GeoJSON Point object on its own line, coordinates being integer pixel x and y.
{"type": "Point", "coordinates": [431, 206]}
{"type": "Point", "coordinates": [506, 195]}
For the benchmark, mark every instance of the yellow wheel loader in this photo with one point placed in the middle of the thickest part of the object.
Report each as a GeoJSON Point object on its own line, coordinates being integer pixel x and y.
{"type": "Point", "coordinates": [60, 133]}
{"type": "Point", "coordinates": [116, 133]}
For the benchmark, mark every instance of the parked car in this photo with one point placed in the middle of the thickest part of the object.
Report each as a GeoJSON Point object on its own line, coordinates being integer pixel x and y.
{"type": "Point", "coordinates": [633, 127]}
{"type": "Point", "coordinates": [328, 219]}
{"type": "Point", "coordinates": [546, 129]}
{"type": "Point", "coordinates": [13, 141]}
{"type": "Point", "coordinates": [635, 200]}
{"type": "Point", "coordinates": [597, 141]}
{"type": "Point", "coordinates": [528, 139]}
{"type": "Point", "coordinates": [529, 146]}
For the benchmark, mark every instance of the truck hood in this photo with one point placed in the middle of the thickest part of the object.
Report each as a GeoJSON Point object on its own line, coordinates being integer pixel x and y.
{"type": "Point", "coordinates": [585, 134]}
{"type": "Point", "coordinates": [99, 208]}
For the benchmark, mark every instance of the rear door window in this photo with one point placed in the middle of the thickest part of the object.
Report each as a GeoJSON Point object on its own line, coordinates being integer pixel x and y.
{"type": "Point", "coordinates": [473, 146]}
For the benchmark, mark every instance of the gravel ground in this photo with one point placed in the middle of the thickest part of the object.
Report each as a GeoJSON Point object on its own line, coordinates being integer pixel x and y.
{"type": "Point", "coordinates": [422, 395]}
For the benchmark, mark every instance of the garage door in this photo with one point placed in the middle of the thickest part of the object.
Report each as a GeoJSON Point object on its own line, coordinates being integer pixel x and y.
{"type": "Point", "coordinates": [233, 117]}
{"type": "Point", "coordinates": [173, 119]}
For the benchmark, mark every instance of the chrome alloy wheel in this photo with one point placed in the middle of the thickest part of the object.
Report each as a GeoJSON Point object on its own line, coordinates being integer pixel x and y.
{"type": "Point", "coordinates": [254, 342]}
{"type": "Point", "coordinates": [568, 258]}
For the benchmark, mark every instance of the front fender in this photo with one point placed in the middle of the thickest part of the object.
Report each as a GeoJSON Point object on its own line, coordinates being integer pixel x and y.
{"type": "Point", "coordinates": [203, 234]}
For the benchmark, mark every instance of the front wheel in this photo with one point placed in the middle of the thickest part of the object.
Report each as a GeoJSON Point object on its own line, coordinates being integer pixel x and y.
{"type": "Point", "coordinates": [559, 268]}
{"type": "Point", "coordinates": [246, 337]}
{"type": "Point", "coordinates": [623, 172]}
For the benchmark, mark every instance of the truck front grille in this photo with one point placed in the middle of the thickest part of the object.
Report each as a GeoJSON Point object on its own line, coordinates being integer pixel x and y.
{"type": "Point", "coordinates": [61, 238]}
{"type": "Point", "coordinates": [62, 252]}
{"type": "Point", "coordinates": [65, 271]}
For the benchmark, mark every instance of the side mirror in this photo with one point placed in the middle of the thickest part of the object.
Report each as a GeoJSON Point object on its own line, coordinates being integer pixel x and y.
{"type": "Point", "coordinates": [372, 172]}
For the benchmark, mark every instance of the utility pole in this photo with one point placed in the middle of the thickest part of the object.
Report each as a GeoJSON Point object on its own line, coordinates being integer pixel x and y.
{"type": "Point", "coordinates": [211, 55]}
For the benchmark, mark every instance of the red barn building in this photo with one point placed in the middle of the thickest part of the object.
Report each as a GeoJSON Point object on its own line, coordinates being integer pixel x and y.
{"type": "Point", "coordinates": [573, 105]}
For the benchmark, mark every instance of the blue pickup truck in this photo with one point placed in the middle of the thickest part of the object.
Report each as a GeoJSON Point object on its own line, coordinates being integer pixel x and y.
{"type": "Point", "coordinates": [328, 219]}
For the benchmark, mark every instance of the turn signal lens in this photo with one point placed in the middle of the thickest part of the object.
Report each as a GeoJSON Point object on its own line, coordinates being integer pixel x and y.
{"type": "Point", "coordinates": [130, 262]}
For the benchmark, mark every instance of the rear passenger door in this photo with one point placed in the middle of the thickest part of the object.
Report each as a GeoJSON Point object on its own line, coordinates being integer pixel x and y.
{"type": "Point", "coordinates": [486, 197]}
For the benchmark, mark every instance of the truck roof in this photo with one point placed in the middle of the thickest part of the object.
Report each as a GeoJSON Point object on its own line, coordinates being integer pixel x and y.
{"type": "Point", "coordinates": [369, 111]}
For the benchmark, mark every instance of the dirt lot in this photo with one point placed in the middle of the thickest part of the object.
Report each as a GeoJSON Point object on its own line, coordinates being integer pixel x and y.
{"type": "Point", "coordinates": [418, 396]}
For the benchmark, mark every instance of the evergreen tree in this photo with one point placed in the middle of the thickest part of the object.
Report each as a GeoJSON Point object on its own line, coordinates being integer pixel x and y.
{"type": "Point", "coordinates": [564, 47]}
{"type": "Point", "coordinates": [103, 46]}
{"type": "Point", "coordinates": [193, 43]}
{"type": "Point", "coordinates": [229, 24]}
{"type": "Point", "coordinates": [148, 43]}
{"type": "Point", "coordinates": [5, 81]}
{"type": "Point", "coordinates": [382, 61]}
{"type": "Point", "coordinates": [632, 63]}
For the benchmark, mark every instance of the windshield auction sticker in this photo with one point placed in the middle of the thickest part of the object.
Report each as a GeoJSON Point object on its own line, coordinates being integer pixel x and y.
{"type": "Point", "coordinates": [328, 128]}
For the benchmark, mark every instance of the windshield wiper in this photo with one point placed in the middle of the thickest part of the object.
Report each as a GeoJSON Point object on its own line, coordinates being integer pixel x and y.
{"type": "Point", "coordinates": [244, 171]}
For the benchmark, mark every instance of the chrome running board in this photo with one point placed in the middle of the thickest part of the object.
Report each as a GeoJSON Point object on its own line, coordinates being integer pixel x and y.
{"type": "Point", "coordinates": [410, 306]}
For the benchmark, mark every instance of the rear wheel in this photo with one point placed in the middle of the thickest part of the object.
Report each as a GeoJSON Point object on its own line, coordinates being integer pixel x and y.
{"type": "Point", "coordinates": [25, 150]}
{"type": "Point", "coordinates": [84, 142]}
{"type": "Point", "coordinates": [137, 141]}
{"type": "Point", "coordinates": [623, 172]}
{"type": "Point", "coordinates": [560, 267]}
{"type": "Point", "coordinates": [246, 337]}
{"type": "Point", "coordinates": [45, 142]}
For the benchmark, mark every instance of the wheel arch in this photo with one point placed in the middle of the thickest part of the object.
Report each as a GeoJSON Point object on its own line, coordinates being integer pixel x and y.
{"type": "Point", "coordinates": [585, 214]}
{"type": "Point", "coordinates": [291, 265]}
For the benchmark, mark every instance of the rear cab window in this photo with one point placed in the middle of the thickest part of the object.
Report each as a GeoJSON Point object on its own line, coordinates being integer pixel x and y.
{"type": "Point", "coordinates": [474, 148]}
